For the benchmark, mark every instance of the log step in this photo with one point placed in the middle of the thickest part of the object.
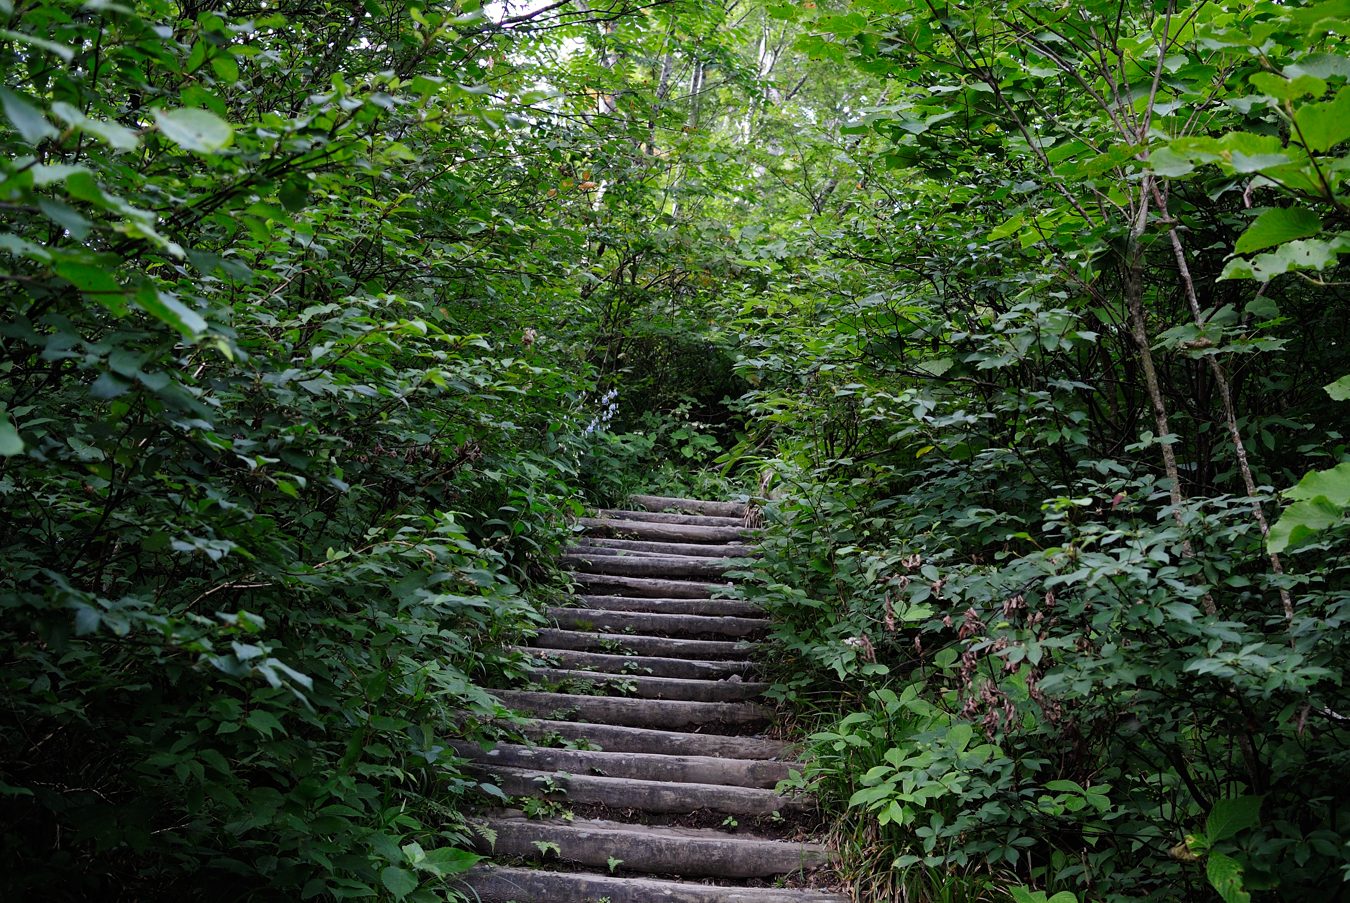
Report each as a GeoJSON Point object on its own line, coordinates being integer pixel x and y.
{"type": "Point", "coordinates": [711, 550]}
{"type": "Point", "coordinates": [658, 713]}
{"type": "Point", "coordinates": [612, 585]}
{"type": "Point", "coordinates": [655, 666]}
{"type": "Point", "coordinates": [650, 726]}
{"type": "Point", "coordinates": [712, 607]}
{"type": "Point", "coordinates": [500, 884]}
{"type": "Point", "coordinates": [668, 647]}
{"type": "Point", "coordinates": [638, 529]}
{"type": "Point", "coordinates": [618, 738]}
{"type": "Point", "coordinates": [654, 623]}
{"type": "Point", "coordinates": [662, 797]}
{"type": "Point", "coordinates": [762, 773]}
{"type": "Point", "coordinates": [682, 568]}
{"type": "Point", "coordinates": [657, 850]}
{"type": "Point", "coordinates": [668, 517]}
{"type": "Point", "coordinates": [688, 506]}
{"type": "Point", "coordinates": [587, 546]}
{"type": "Point", "coordinates": [637, 686]}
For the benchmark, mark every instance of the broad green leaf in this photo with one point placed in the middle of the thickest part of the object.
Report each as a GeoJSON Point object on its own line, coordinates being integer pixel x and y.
{"type": "Point", "coordinates": [1225, 876]}
{"type": "Point", "coordinates": [959, 736]}
{"type": "Point", "coordinates": [166, 308]}
{"type": "Point", "coordinates": [200, 131]}
{"type": "Point", "coordinates": [1168, 162]}
{"type": "Point", "coordinates": [1300, 254]}
{"type": "Point", "coordinates": [1007, 227]}
{"type": "Point", "coordinates": [446, 861]}
{"type": "Point", "coordinates": [1277, 226]}
{"type": "Point", "coordinates": [398, 881]}
{"type": "Point", "coordinates": [27, 119]}
{"type": "Point", "coordinates": [1340, 389]}
{"type": "Point", "coordinates": [1282, 88]}
{"type": "Point", "coordinates": [226, 67]}
{"type": "Point", "coordinates": [64, 52]}
{"type": "Point", "coordinates": [1322, 65]}
{"type": "Point", "coordinates": [89, 278]}
{"type": "Point", "coordinates": [115, 135]}
{"type": "Point", "coordinates": [1248, 152]}
{"type": "Point", "coordinates": [1229, 816]}
{"type": "Point", "coordinates": [10, 442]}
{"type": "Point", "coordinates": [1333, 485]}
{"type": "Point", "coordinates": [264, 722]}
{"type": "Point", "coordinates": [1322, 126]}
{"type": "Point", "coordinates": [1302, 521]}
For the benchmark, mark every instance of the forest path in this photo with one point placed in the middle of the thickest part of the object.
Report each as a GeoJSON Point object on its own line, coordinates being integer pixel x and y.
{"type": "Point", "coordinates": [663, 790]}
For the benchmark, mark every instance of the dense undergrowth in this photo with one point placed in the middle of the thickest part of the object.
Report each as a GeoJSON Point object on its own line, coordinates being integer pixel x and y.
{"type": "Point", "coordinates": [1025, 465]}
{"type": "Point", "coordinates": [300, 389]}
{"type": "Point", "coordinates": [320, 321]}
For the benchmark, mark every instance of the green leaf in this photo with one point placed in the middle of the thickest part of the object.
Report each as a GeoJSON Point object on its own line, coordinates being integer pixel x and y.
{"type": "Point", "coordinates": [398, 881]}
{"type": "Point", "coordinates": [1225, 876]}
{"type": "Point", "coordinates": [89, 278]}
{"type": "Point", "coordinates": [115, 135]}
{"type": "Point", "coordinates": [1340, 389]}
{"type": "Point", "coordinates": [293, 194]}
{"type": "Point", "coordinates": [1302, 521]}
{"type": "Point", "coordinates": [195, 130]}
{"type": "Point", "coordinates": [67, 217]}
{"type": "Point", "coordinates": [263, 722]}
{"type": "Point", "coordinates": [1232, 815]}
{"type": "Point", "coordinates": [1282, 88]}
{"type": "Point", "coordinates": [1300, 254]}
{"type": "Point", "coordinates": [168, 309]}
{"type": "Point", "coordinates": [10, 442]}
{"type": "Point", "coordinates": [65, 53]}
{"type": "Point", "coordinates": [30, 122]}
{"type": "Point", "coordinates": [1333, 485]}
{"type": "Point", "coordinates": [226, 67]}
{"type": "Point", "coordinates": [1277, 226]}
{"type": "Point", "coordinates": [1167, 162]}
{"type": "Point", "coordinates": [1008, 227]}
{"type": "Point", "coordinates": [448, 861]}
{"type": "Point", "coordinates": [1322, 126]}
{"type": "Point", "coordinates": [1248, 152]}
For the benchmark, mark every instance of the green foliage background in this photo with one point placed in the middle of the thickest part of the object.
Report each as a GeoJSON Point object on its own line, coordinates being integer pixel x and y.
{"type": "Point", "coordinates": [1018, 313]}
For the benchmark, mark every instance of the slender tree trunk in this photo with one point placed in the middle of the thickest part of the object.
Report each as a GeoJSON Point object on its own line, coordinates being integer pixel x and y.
{"type": "Point", "coordinates": [1134, 302]}
{"type": "Point", "coordinates": [1226, 397]}
{"type": "Point", "coordinates": [696, 79]}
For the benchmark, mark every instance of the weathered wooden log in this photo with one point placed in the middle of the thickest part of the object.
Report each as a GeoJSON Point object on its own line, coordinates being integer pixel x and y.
{"type": "Point", "coordinates": [645, 686]}
{"type": "Point", "coordinates": [657, 713]}
{"type": "Point", "coordinates": [622, 738]}
{"type": "Point", "coordinates": [638, 529]}
{"type": "Point", "coordinates": [656, 666]}
{"type": "Point", "coordinates": [632, 794]}
{"type": "Point", "coordinates": [657, 850]}
{"type": "Point", "coordinates": [763, 773]}
{"type": "Point", "coordinates": [709, 550]}
{"type": "Point", "coordinates": [661, 517]}
{"type": "Point", "coordinates": [652, 587]}
{"type": "Point", "coordinates": [499, 884]}
{"type": "Point", "coordinates": [552, 638]}
{"type": "Point", "coordinates": [649, 623]}
{"type": "Point", "coordinates": [712, 607]}
{"type": "Point", "coordinates": [678, 568]}
{"type": "Point", "coordinates": [688, 506]}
